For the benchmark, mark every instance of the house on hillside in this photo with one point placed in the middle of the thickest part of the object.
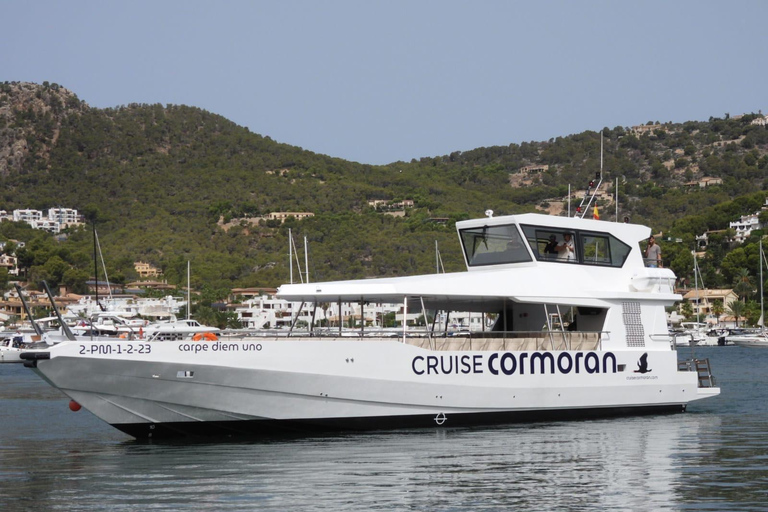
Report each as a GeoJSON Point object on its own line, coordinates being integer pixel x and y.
{"type": "Point", "coordinates": [707, 181]}
{"type": "Point", "coordinates": [530, 169]}
{"type": "Point", "coordinates": [146, 270]}
{"type": "Point", "coordinates": [645, 128]}
{"type": "Point", "coordinates": [703, 301]}
{"type": "Point", "coordinates": [744, 226]}
{"type": "Point", "coordinates": [282, 216]}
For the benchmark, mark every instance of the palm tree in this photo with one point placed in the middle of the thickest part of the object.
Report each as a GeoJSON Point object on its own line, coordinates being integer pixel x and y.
{"type": "Point", "coordinates": [736, 308]}
{"type": "Point", "coordinates": [718, 309]}
{"type": "Point", "coordinates": [743, 285]}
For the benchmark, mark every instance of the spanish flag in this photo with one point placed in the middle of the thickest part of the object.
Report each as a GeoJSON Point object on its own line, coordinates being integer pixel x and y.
{"type": "Point", "coordinates": [595, 215]}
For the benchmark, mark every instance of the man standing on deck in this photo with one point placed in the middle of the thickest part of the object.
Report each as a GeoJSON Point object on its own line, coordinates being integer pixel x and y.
{"type": "Point", "coordinates": [652, 254]}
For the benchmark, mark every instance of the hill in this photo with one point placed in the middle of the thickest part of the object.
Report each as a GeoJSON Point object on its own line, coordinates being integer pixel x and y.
{"type": "Point", "coordinates": [161, 181]}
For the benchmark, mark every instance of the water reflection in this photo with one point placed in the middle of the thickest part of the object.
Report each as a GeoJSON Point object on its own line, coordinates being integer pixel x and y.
{"type": "Point", "coordinates": [625, 464]}
{"type": "Point", "coordinates": [714, 457]}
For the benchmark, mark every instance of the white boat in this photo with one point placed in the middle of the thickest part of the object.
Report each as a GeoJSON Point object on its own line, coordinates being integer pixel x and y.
{"type": "Point", "coordinates": [755, 339]}
{"type": "Point", "coordinates": [174, 329]}
{"type": "Point", "coordinates": [12, 345]}
{"type": "Point", "coordinates": [109, 324]}
{"type": "Point", "coordinates": [607, 354]}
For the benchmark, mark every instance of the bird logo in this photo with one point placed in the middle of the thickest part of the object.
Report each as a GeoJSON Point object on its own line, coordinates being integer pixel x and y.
{"type": "Point", "coordinates": [642, 364]}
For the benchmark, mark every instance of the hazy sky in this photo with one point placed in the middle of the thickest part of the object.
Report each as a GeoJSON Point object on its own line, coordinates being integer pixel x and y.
{"type": "Point", "coordinates": [381, 81]}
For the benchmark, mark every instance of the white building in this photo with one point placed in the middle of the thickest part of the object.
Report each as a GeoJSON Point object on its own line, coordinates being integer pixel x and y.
{"type": "Point", "coordinates": [48, 225]}
{"type": "Point", "coordinates": [57, 219]}
{"type": "Point", "coordinates": [64, 216]}
{"type": "Point", "coordinates": [744, 227]}
{"type": "Point", "coordinates": [28, 216]}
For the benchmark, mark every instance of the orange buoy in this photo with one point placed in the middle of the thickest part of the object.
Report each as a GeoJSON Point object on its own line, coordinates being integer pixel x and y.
{"type": "Point", "coordinates": [210, 336]}
{"type": "Point", "coordinates": [74, 406]}
{"type": "Point", "coordinates": [197, 337]}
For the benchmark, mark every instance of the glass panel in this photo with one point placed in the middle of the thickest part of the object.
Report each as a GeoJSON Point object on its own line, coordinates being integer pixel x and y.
{"type": "Point", "coordinates": [590, 248]}
{"type": "Point", "coordinates": [596, 249]}
{"type": "Point", "coordinates": [619, 252]}
{"type": "Point", "coordinates": [551, 244]}
{"type": "Point", "coordinates": [493, 245]}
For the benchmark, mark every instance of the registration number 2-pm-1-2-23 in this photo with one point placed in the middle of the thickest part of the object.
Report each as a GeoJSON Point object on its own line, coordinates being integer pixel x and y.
{"type": "Point", "coordinates": [108, 349]}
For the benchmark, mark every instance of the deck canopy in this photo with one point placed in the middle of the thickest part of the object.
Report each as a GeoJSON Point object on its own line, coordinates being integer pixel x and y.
{"type": "Point", "coordinates": [608, 259]}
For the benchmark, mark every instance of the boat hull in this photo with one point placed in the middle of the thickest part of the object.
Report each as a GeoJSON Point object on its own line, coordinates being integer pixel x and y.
{"type": "Point", "coordinates": [749, 341]}
{"type": "Point", "coordinates": [283, 387]}
{"type": "Point", "coordinates": [10, 355]}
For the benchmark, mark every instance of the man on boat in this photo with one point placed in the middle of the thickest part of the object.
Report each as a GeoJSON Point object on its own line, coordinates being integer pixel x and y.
{"type": "Point", "coordinates": [566, 250]}
{"type": "Point", "coordinates": [652, 253]}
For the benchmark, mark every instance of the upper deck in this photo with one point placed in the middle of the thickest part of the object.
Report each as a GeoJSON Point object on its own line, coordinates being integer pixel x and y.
{"type": "Point", "coordinates": [607, 266]}
{"type": "Point", "coordinates": [532, 237]}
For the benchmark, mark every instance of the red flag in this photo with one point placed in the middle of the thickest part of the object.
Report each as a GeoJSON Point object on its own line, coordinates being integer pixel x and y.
{"type": "Point", "coordinates": [595, 215]}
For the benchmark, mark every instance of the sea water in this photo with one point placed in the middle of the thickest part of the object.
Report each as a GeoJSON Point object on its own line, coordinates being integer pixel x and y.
{"type": "Point", "coordinates": [713, 457]}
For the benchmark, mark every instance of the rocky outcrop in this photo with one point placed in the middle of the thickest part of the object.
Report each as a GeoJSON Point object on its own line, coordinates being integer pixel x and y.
{"type": "Point", "coordinates": [31, 116]}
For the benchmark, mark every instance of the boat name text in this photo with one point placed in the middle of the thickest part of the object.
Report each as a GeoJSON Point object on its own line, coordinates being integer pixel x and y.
{"type": "Point", "coordinates": [219, 346]}
{"type": "Point", "coordinates": [511, 363]}
{"type": "Point", "coordinates": [108, 349]}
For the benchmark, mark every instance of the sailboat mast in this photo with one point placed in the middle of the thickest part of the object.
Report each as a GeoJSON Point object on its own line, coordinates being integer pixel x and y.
{"type": "Point", "coordinates": [696, 284]}
{"type": "Point", "coordinates": [189, 288]}
{"type": "Point", "coordinates": [95, 265]}
{"type": "Point", "coordinates": [762, 309]}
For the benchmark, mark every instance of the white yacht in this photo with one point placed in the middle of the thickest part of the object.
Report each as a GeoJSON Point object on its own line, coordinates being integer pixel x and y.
{"type": "Point", "coordinates": [173, 329]}
{"type": "Point", "coordinates": [576, 337]}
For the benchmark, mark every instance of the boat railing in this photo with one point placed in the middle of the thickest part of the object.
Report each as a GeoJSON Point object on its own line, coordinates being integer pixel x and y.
{"type": "Point", "coordinates": [702, 369]}
{"type": "Point", "coordinates": [457, 340]}
{"type": "Point", "coordinates": [513, 341]}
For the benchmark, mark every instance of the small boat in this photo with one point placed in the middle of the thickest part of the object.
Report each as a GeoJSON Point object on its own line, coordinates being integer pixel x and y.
{"type": "Point", "coordinates": [174, 329]}
{"type": "Point", "coordinates": [758, 338]}
{"type": "Point", "coordinates": [573, 338]}
{"type": "Point", "coordinates": [12, 345]}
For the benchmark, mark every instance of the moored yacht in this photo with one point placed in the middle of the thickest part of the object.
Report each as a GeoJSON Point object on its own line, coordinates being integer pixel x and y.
{"type": "Point", "coordinates": [579, 331]}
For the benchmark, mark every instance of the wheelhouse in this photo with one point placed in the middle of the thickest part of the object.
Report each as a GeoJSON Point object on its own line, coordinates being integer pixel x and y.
{"type": "Point", "coordinates": [506, 244]}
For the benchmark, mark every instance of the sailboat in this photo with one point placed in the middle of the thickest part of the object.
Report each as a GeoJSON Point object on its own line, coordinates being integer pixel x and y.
{"type": "Point", "coordinates": [760, 339]}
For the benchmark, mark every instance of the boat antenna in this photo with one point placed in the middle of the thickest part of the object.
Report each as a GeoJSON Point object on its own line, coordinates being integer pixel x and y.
{"type": "Point", "coordinates": [189, 292]}
{"type": "Point", "coordinates": [306, 257]}
{"type": "Point", "coordinates": [438, 260]}
{"type": "Point", "coordinates": [37, 328]}
{"type": "Point", "coordinates": [592, 187]}
{"type": "Point", "coordinates": [64, 327]}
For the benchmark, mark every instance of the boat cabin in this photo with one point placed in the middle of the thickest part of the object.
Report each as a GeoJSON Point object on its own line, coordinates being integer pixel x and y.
{"type": "Point", "coordinates": [547, 282]}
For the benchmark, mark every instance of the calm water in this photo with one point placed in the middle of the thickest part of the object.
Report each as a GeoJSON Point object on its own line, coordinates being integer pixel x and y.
{"type": "Point", "coordinates": [714, 457]}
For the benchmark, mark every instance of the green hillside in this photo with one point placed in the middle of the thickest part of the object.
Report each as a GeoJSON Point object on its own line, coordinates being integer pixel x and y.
{"type": "Point", "coordinates": [161, 180]}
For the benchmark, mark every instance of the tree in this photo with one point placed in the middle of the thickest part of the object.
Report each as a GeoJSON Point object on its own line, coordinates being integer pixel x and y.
{"type": "Point", "coordinates": [736, 308]}
{"type": "Point", "coordinates": [742, 284]}
{"type": "Point", "coordinates": [687, 310]}
{"type": "Point", "coordinates": [718, 309]}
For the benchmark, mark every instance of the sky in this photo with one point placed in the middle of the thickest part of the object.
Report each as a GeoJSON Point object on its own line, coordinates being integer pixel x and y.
{"type": "Point", "coordinates": [382, 81]}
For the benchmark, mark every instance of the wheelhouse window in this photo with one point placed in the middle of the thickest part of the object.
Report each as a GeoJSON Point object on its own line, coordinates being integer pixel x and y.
{"type": "Point", "coordinates": [589, 248]}
{"type": "Point", "coordinates": [494, 245]}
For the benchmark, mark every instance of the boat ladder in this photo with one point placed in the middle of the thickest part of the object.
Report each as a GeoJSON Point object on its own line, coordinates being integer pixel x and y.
{"type": "Point", "coordinates": [702, 368]}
